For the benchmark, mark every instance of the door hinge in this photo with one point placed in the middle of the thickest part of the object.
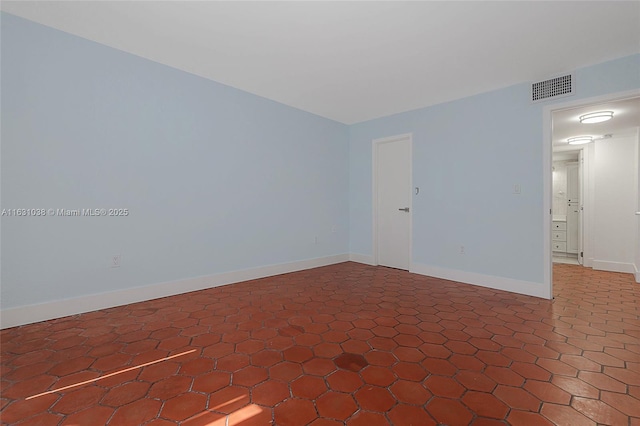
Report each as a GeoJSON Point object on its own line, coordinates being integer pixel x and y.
{"type": "Point", "coordinates": [581, 254]}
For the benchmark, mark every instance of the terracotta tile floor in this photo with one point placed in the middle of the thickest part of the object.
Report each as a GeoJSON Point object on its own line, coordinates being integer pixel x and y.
{"type": "Point", "coordinates": [345, 344]}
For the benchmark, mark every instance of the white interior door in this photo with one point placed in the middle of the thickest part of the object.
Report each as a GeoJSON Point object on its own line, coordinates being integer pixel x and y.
{"type": "Point", "coordinates": [573, 208]}
{"type": "Point", "coordinates": [393, 202]}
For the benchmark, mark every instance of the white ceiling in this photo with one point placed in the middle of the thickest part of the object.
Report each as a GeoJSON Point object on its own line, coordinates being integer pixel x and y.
{"type": "Point", "coordinates": [566, 123]}
{"type": "Point", "coordinates": [354, 61]}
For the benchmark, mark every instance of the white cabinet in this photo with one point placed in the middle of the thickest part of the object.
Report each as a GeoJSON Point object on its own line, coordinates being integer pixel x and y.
{"type": "Point", "coordinates": [566, 209]}
{"type": "Point", "coordinates": [559, 236]}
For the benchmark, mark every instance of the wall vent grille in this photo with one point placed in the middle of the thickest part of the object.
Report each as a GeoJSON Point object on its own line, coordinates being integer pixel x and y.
{"type": "Point", "coordinates": [552, 88]}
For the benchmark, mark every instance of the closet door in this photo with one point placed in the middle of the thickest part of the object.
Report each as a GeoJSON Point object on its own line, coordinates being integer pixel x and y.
{"type": "Point", "coordinates": [573, 187]}
{"type": "Point", "coordinates": [573, 208]}
{"type": "Point", "coordinates": [572, 228]}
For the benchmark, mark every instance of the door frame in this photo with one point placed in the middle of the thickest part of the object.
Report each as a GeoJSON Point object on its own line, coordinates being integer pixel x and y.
{"type": "Point", "coordinates": [374, 147]}
{"type": "Point", "coordinates": [547, 160]}
{"type": "Point", "coordinates": [583, 193]}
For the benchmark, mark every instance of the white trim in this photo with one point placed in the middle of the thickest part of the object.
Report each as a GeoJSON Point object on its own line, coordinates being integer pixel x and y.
{"type": "Point", "coordinates": [547, 151]}
{"type": "Point", "coordinates": [361, 258]}
{"type": "Point", "coordinates": [636, 265]}
{"type": "Point", "coordinates": [547, 164]}
{"type": "Point", "coordinates": [498, 283]}
{"type": "Point", "coordinates": [374, 188]}
{"type": "Point", "coordinates": [606, 265]}
{"type": "Point", "coordinates": [60, 308]}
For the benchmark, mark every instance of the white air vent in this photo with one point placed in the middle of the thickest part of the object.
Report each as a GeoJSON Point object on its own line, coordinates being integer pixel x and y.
{"type": "Point", "coordinates": [552, 88]}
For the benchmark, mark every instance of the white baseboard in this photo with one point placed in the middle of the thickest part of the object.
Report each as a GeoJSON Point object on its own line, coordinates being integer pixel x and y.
{"type": "Point", "coordinates": [605, 265]}
{"type": "Point", "coordinates": [637, 273]}
{"type": "Point", "coordinates": [361, 258]}
{"type": "Point", "coordinates": [28, 314]}
{"type": "Point", "coordinates": [497, 283]}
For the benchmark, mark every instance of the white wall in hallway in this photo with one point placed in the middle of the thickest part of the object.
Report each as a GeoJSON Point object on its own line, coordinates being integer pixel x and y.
{"type": "Point", "coordinates": [615, 183]}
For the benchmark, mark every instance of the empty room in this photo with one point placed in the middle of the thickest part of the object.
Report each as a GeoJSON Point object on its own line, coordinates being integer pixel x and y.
{"type": "Point", "coordinates": [319, 213]}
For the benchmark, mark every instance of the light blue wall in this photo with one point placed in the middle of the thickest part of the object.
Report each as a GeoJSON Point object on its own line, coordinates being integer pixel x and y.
{"type": "Point", "coordinates": [467, 156]}
{"type": "Point", "coordinates": [215, 179]}
{"type": "Point", "coordinates": [218, 180]}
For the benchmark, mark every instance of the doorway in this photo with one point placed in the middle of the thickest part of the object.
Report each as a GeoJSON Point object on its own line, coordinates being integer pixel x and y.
{"type": "Point", "coordinates": [601, 194]}
{"type": "Point", "coordinates": [567, 207]}
{"type": "Point", "coordinates": [392, 197]}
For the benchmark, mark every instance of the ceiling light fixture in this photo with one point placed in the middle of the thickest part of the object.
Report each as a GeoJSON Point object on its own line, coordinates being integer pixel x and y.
{"type": "Point", "coordinates": [579, 140]}
{"type": "Point", "coordinates": [596, 117]}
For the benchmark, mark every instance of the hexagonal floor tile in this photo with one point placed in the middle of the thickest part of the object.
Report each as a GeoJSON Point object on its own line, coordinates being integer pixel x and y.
{"type": "Point", "coordinates": [342, 344]}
